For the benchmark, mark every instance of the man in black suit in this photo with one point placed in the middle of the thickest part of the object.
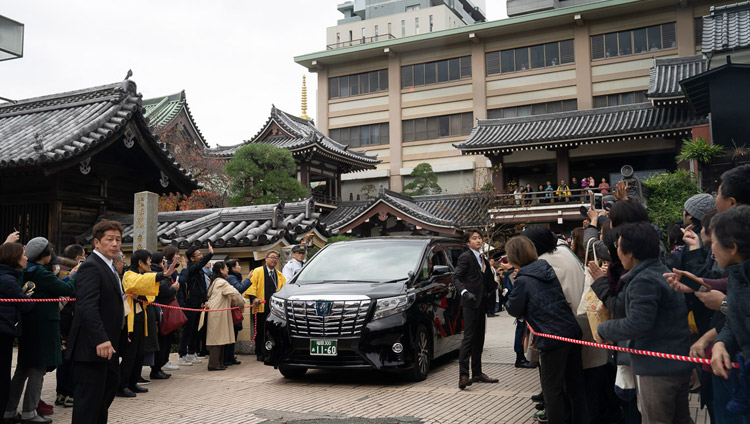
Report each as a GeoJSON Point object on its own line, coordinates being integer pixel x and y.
{"type": "Point", "coordinates": [95, 334]}
{"type": "Point", "coordinates": [473, 279]}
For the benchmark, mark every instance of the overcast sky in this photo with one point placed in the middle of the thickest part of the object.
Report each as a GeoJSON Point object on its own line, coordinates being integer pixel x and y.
{"type": "Point", "coordinates": [233, 58]}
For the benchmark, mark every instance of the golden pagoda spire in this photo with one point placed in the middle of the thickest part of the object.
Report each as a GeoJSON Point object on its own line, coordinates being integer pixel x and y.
{"type": "Point", "coordinates": [304, 100]}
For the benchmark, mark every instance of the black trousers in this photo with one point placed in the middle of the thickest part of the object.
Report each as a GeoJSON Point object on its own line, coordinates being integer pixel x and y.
{"type": "Point", "coordinates": [189, 334]}
{"type": "Point", "coordinates": [475, 323]}
{"type": "Point", "coordinates": [492, 302]}
{"type": "Point", "coordinates": [95, 388]}
{"type": "Point", "coordinates": [229, 348]}
{"type": "Point", "coordinates": [132, 355]}
{"type": "Point", "coordinates": [260, 339]}
{"type": "Point", "coordinates": [6, 357]}
{"type": "Point", "coordinates": [162, 356]}
{"type": "Point", "coordinates": [563, 384]}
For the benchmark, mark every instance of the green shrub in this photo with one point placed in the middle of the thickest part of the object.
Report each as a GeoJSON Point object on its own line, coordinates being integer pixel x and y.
{"type": "Point", "coordinates": [667, 193]}
{"type": "Point", "coordinates": [699, 149]}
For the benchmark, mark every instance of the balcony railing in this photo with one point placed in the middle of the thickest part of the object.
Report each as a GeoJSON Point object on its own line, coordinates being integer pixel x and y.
{"type": "Point", "coordinates": [543, 206]}
{"type": "Point", "coordinates": [360, 41]}
{"type": "Point", "coordinates": [325, 199]}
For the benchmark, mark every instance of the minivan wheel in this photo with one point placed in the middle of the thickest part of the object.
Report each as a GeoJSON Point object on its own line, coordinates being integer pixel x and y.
{"type": "Point", "coordinates": [422, 354]}
{"type": "Point", "coordinates": [293, 372]}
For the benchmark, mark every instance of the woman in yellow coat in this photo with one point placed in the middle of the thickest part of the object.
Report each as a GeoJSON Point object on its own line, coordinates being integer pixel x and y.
{"type": "Point", "coordinates": [220, 327]}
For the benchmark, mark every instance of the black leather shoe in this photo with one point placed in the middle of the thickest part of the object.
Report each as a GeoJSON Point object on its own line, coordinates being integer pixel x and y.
{"type": "Point", "coordinates": [540, 406]}
{"type": "Point", "coordinates": [538, 398]}
{"type": "Point", "coordinates": [161, 375]}
{"type": "Point", "coordinates": [217, 369]}
{"type": "Point", "coordinates": [484, 378]}
{"type": "Point", "coordinates": [142, 380]}
{"type": "Point", "coordinates": [235, 362]}
{"type": "Point", "coordinates": [125, 392]}
{"type": "Point", "coordinates": [464, 381]}
{"type": "Point", "coordinates": [523, 364]}
{"type": "Point", "coordinates": [138, 389]}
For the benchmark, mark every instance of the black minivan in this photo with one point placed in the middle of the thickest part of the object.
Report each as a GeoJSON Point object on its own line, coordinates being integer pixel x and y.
{"type": "Point", "coordinates": [377, 303]}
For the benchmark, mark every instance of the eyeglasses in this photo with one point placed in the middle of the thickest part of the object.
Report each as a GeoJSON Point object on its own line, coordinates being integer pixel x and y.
{"type": "Point", "coordinates": [273, 257]}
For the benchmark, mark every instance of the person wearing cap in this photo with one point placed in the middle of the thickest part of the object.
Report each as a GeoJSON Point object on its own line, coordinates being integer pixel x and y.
{"type": "Point", "coordinates": [39, 347]}
{"type": "Point", "coordinates": [295, 264]}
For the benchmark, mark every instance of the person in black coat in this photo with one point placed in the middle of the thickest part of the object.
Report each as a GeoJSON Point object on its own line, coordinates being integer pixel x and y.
{"type": "Point", "coordinates": [95, 335]}
{"type": "Point", "coordinates": [12, 263]}
{"type": "Point", "coordinates": [196, 288]}
{"type": "Point", "coordinates": [168, 288]}
{"type": "Point", "coordinates": [538, 297]}
{"type": "Point", "coordinates": [474, 281]}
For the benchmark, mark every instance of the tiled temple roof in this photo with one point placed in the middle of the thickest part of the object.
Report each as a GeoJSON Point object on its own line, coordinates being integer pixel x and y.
{"type": "Point", "coordinates": [666, 74]}
{"type": "Point", "coordinates": [726, 28]}
{"type": "Point", "coordinates": [161, 111]}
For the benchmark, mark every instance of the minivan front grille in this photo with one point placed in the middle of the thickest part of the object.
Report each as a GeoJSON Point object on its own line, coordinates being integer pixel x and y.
{"type": "Point", "coordinates": [327, 318]}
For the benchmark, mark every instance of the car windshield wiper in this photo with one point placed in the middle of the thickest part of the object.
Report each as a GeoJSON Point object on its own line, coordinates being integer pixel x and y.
{"type": "Point", "coordinates": [321, 281]}
{"type": "Point", "coordinates": [395, 280]}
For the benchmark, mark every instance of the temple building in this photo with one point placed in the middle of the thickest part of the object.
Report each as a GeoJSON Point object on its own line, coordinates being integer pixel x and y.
{"type": "Point", "coordinates": [67, 159]}
{"type": "Point", "coordinates": [320, 160]}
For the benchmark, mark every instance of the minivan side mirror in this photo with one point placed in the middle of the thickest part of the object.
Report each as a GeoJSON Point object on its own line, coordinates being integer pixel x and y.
{"type": "Point", "coordinates": [440, 270]}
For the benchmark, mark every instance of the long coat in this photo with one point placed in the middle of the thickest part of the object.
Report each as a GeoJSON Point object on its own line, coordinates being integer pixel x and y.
{"type": "Point", "coordinates": [39, 345]}
{"type": "Point", "coordinates": [220, 328]}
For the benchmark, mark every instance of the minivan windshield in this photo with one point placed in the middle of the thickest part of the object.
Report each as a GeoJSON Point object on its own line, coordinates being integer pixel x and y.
{"type": "Point", "coordinates": [363, 262]}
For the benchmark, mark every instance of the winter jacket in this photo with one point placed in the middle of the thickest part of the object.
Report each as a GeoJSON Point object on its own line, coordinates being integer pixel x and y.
{"type": "Point", "coordinates": [655, 320]}
{"type": "Point", "coordinates": [10, 313]}
{"type": "Point", "coordinates": [219, 325]}
{"type": "Point", "coordinates": [569, 272]}
{"type": "Point", "coordinates": [234, 280]}
{"type": "Point", "coordinates": [40, 344]}
{"type": "Point", "coordinates": [537, 296]}
{"type": "Point", "coordinates": [736, 331]}
{"type": "Point", "coordinates": [195, 282]}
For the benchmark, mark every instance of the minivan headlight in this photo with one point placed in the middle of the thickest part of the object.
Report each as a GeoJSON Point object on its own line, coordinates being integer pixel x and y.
{"type": "Point", "coordinates": [392, 305]}
{"type": "Point", "coordinates": [278, 307]}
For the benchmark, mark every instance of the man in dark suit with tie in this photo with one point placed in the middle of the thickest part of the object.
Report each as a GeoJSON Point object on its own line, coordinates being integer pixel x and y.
{"type": "Point", "coordinates": [95, 334]}
{"type": "Point", "coordinates": [473, 280]}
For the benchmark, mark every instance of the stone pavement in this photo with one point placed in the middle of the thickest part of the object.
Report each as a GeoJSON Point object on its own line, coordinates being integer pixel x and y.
{"type": "Point", "coordinates": [255, 393]}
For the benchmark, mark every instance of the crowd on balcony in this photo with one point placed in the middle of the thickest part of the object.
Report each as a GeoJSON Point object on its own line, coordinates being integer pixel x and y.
{"type": "Point", "coordinates": [573, 192]}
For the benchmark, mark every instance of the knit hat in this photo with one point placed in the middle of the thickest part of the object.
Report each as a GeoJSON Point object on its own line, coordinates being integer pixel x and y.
{"type": "Point", "coordinates": [697, 205]}
{"type": "Point", "coordinates": [36, 246]}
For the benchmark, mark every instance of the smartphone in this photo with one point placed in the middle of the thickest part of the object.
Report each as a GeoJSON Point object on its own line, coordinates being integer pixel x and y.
{"type": "Point", "coordinates": [696, 284]}
{"type": "Point", "coordinates": [81, 261]}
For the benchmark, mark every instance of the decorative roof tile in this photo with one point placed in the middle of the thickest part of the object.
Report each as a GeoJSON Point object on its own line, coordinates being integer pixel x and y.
{"type": "Point", "coordinates": [607, 124]}
{"type": "Point", "coordinates": [302, 135]}
{"type": "Point", "coordinates": [161, 111]}
{"type": "Point", "coordinates": [256, 225]}
{"type": "Point", "coordinates": [448, 211]}
{"type": "Point", "coordinates": [666, 74]}
{"type": "Point", "coordinates": [68, 126]}
{"type": "Point", "coordinates": [726, 28]}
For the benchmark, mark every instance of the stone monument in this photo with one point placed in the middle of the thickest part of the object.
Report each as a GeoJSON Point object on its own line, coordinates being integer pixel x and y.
{"type": "Point", "coordinates": [145, 221]}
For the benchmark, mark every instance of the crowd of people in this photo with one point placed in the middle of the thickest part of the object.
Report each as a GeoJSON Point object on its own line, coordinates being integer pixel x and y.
{"type": "Point", "coordinates": [123, 318]}
{"type": "Point", "coordinates": [688, 299]}
{"type": "Point", "coordinates": [575, 191]}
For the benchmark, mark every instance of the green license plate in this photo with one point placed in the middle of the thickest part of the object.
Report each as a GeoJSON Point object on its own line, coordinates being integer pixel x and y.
{"type": "Point", "coordinates": [323, 347]}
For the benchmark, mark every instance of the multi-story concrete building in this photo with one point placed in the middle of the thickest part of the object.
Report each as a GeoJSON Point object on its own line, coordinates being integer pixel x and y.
{"type": "Point", "coordinates": [367, 21]}
{"type": "Point", "coordinates": [413, 99]}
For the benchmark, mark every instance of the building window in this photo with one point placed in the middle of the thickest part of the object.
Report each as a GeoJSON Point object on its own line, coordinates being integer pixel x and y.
{"type": "Point", "coordinates": [338, 37]}
{"type": "Point", "coordinates": [698, 27]}
{"type": "Point", "coordinates": [531, 57]}
{"type": "Point", "coordinates": [437, 127]}
{"type": "Point", "coordinates": [389, 29]}
{"type": "Point", "coordinates": [435, 72]}
{"type": "Point", "coordinates": [430, 23]}
{"type": "Point", "coordinates": [362, 135]}
{"type": "Point", "coordinates": [620, 99]}
{"type": "Point", "coordinates": [364, 34]}
{"type": "Point", "coordinates": [535, 109]}
{"type": "Point", "coordinates": [350, 36]}
{"type": "Point", "coordinates": [416, 25]}
{"type": "Point", "coordinates": [376, 33]}
{"type": "Point", "coordinates": [635, 41]}
{"type": "Point", "coordinates": [403, 28]}
{"type": "Point", "coordinates": [413, 7]}
{"type": "Point", "coordinates": [353, 85]}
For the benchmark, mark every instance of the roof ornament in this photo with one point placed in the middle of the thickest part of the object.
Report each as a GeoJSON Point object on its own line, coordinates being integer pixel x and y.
{"type": "Point", "coordinates": [38, 143]}
{"type": "Point", "coordinates": [129, 74]}
{"type": "Point", "coordinates": [129, 139]}
{"type": "Point", "coordinates": [85, 166]}
{"type": "Point", "coordinates": [164, 180]}
{"type": "Point", "coordinates": [304, 100]}
{"type": "Point", "coordinates": [278, 215]}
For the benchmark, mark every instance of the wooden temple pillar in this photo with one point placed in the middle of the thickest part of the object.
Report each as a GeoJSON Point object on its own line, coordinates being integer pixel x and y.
{"type": "Point", "coordinates": [498, 173]}
{"type": "Point", "coordinates": [563, 165]}
{"type": "Point", "coordinates": [304, 174]}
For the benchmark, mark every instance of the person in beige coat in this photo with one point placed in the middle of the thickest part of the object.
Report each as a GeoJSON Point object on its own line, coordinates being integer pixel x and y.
{"type": "Point", "coordinates": [219, 327]}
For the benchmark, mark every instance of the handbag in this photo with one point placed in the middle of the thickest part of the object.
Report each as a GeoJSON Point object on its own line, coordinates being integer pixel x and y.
{"type": "Point", "coordinates": [589, 301]}
{"type": "Point", "coordinates": [172, 319]}
{"type": "Point", "coordinates": [237, 316]}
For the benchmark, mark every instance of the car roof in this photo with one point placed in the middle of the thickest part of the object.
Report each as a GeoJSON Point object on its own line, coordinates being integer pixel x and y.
{"type": "Point", "coordinates": [426, 239]}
